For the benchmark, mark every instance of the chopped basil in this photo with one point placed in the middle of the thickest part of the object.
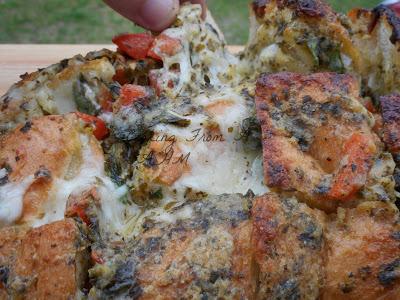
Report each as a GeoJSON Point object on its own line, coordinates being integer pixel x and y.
{"type": "Point", "coordinates": [84, 97]}
{"type": "Point", "coordinates": [326, 54]}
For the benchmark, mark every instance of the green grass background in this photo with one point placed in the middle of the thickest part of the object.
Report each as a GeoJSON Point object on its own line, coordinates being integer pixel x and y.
{"type": "Point", "coordinates": [91, 21]}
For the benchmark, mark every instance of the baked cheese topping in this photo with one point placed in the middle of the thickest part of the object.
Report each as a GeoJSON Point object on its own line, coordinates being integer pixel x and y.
{"type": "Point", "coordinates": [11, 211]}
{"type": "Point", "coordinates": [91, 174]}
{"type": "Point", "coordinates": [203, 59]}
{"type": "Point", "coordinates": [217, 150]}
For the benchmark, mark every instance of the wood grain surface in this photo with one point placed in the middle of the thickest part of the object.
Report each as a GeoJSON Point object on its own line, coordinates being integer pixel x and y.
{"type": "Point", "coordinates": [17, 59]}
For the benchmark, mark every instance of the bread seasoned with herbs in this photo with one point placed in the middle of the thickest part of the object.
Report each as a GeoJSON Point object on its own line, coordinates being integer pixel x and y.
{"type": "Point", "coordinates": [46, 262]}
{"type": "Point", "coordinates": [390, 110]}
{"type": "Point", "coordinates": [40, 161]}
{"type": "Point", "coordinates": [318, 142]}
{"type": "Point", "coordinates": [200, 249]}
{"type": "Point", "coordinates": [363, 253]}
{"type": "Point", "coordinates": [153, 147]}
{"type": "Point", "coordinates": [299, 36]}
{"type": "Point", "coordinates": [376, 34]}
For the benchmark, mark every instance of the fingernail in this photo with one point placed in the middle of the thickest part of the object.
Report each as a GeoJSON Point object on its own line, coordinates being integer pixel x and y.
{"type": "Point", "coordinates": [157, 15]}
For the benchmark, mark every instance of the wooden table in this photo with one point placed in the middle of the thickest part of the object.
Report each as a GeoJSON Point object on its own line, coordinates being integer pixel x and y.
{"type": "Point", "coordinates": [19, 59]}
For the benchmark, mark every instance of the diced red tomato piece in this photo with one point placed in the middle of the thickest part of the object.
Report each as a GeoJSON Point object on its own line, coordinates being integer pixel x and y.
{"type": "Point", "coordinates": [164, 45]}
{"type": "Point", "coordinates": [79, 211]}
{"type": "Point", "coordinates": [135, 45]}
{"type": "Point", "coordinates": [106, 105]}
{"type": "Point", "coordinates": [120, 77]}
{"type": "Point", "coordinates": [100, 129]}
{"type": "Point", "coordinates": [106, 100]}
{"type": "Point", "coordinates": [351, 177]}
{"type": "Point", "coordinates": [96, 257]}
{"type": "Point", "coordinates": [130, 93]}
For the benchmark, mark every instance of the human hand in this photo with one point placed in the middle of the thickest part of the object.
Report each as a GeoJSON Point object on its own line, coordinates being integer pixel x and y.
{"type": "Point", "coordinates": [155, 15]}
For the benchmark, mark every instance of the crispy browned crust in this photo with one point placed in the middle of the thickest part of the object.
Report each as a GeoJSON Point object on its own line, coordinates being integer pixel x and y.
{"type": "Point", "coordinates": [372, 18]}
{"type": "Point", "coordinates": [218, 256]}
{"type": "Point", "coordinates": [206, 255]}
{"type": "Point", "coordinates": [306, 121]}
{"type": "Point", "coordinates": [43, 147]}
{"type": "Point", "coordinates": [43, 262]}
{"type": "Point", "coordinates": [288, 245]}
{"type": "Point", "coordinates": [303, 254]}
{"type": "Point", "coordinates": [383, 11]}
{"type": "Point", "coordinates": [299, 21]}
{"type": "Point", "coordinates": [363, 259]}
{"type": "Point", "coordinates": [10, 241]}
{"type": "Point", "coordinates": [390, 110]}
{"type": "Point", "coordinates": [390, 106]}
{"type": "Point", "coordinates": [280, 249]}
{"type": "Point", "coordinates": [304, 8]}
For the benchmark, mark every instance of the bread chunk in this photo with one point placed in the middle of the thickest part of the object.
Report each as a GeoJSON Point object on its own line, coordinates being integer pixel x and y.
{"type": "Point", "coordinates": [48, 262]}
{"type": "Point", "coordinates": [363, 253]}
{"type": "Point", "coordinates": [288, 247]}
{"type": "Point", "coordinates": [317, 139]}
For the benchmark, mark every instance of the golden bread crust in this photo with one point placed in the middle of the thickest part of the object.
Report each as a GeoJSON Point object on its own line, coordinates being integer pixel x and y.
{"type": "Point", "coordinates": [311, 37]}
{"type": "Point", "coordinates": [208, 253]}
{"type": "Point", "coordinates": [306, 8]}
{"type": "Point", "coordinates": [314, 128]}
{"type": "Point", "coordinates": [390, 106]}
{"type": "Point", "coordinates": [49, 141]}
{"type": "Point", "coordinates": [363, 254]}
{"type": "Point", "coordinates": [44, 261]}
{"type": "Point", "coordinates": [288, 247]}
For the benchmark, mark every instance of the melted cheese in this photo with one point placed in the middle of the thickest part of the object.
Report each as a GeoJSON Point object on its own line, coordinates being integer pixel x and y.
{"type": "Point", "coordinates": [166, 217]}
{"type": "Point", "coordinates": [91, 174]}
{"type": "Point", "coordinates": [51, 90]}
{"type": "Point", "coordinates": [217, 165]}
{"type": "Point", "coordinates": [219, 162]}
{"type": "Point", "coordinates": [203, 59]}
{"type": "Point", "coordinates": [11, 199]}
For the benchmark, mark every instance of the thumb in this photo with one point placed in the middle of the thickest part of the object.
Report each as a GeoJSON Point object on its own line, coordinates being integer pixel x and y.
{"type": "Point", "coordinates": [154, 15]}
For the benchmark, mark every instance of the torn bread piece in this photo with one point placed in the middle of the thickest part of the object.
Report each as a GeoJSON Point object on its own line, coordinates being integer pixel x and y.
{"type": "Point", "coordinates": [318, 141]}
{"type": "Point", "coordinates": [10, 240]}
{"type": "Point", "coordinates": [42, 263]}
{"type": "Point", "coordinates": [390, 107]}
{"type": "Point", "coordinates": [198, 249]}
{"type": "Point", "coordinates": [46, 162]}
{"type": "Point", "coordinates": [270, 247]}
{"type": "Point", "coordinates": [298, 36]}
{"type": "Point", "coordinates": [363, 253]}
{"type": "Point", "coordinates": [376, 33]}
{"type": "Point", "coordinates": [390, 110]}
{"type": "Point", "coordinates": [304, 254]}
{"type": "Point", "coordinates": [87, 84]}
{"type": "Point", "coordinates": [288, 247]}
{"type": "Point", "coordinates": [37, 160]}
{"type": "Point", "coordinates": [51, 90]}
{"type": "Point", "coordinates": [32, 156]}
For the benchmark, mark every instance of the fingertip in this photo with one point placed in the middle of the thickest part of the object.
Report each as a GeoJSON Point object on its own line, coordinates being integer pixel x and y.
{"type": "Point", "coordinates": [156, 15]}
